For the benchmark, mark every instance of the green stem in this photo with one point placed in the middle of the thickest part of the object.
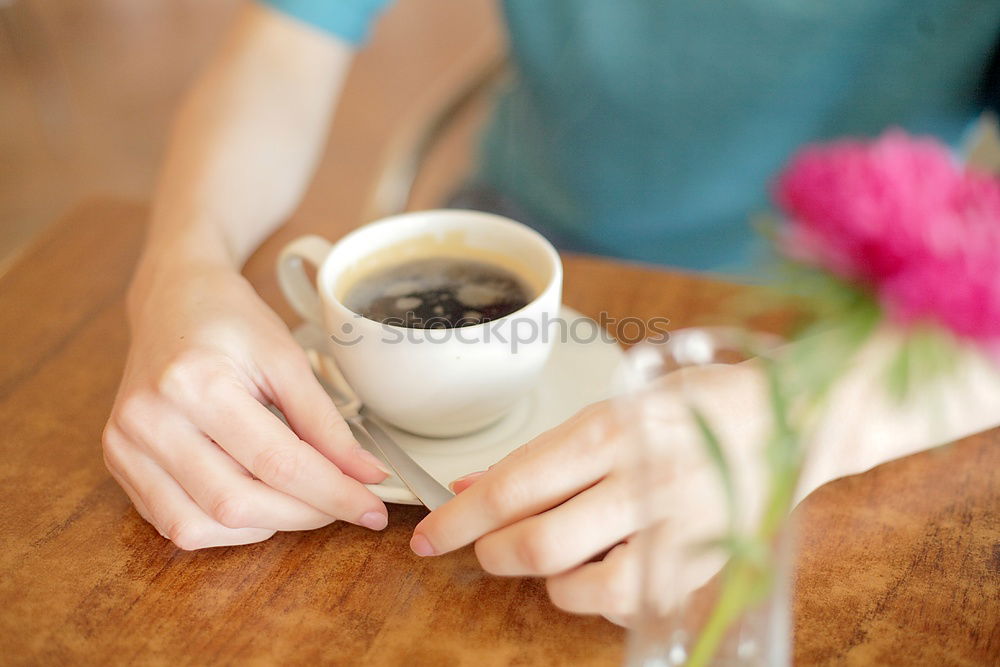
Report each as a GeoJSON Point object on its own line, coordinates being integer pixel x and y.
{"type": "Point", "coordinates": [732, 602]}
{"type": "Point", "coordinates": [740, 583]}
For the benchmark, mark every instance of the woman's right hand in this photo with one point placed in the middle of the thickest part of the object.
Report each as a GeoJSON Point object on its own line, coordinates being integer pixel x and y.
{"type": "Point", "coordinates": [190, 438]}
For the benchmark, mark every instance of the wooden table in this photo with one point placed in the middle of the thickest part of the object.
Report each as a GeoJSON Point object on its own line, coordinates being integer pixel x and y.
{"type": "Point", "coordinates": [898, 566]}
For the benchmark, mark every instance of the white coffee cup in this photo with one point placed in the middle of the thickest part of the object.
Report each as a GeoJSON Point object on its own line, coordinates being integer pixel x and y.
{"type": "Point", "coordinates": [432, 382]}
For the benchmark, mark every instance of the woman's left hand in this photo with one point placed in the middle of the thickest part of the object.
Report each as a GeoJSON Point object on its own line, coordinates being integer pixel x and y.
{"type": "Point", "coordinates": [567, 506]}
{"type": "Point", "coordinates": [561, 507]}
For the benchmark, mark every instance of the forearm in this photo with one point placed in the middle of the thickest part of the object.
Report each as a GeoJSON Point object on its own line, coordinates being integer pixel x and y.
{"type": "Point", "coordinates": [864, 426]}
{"type": "Point", "coordinates": [859, 424]}
{"type": "Point", "coordinates": [244, 144]}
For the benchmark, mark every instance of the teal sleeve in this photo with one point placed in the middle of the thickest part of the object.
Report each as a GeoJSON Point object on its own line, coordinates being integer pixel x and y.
{"type": "Point", "coordinates": [351, 20]}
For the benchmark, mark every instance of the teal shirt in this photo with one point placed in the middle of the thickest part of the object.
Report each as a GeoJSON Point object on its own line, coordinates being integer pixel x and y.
{"type": "Point", "coordinates": [650, 129]}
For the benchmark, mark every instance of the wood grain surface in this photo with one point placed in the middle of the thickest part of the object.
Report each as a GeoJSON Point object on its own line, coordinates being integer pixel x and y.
{"type": "Point", "coordinates": [900, 565]}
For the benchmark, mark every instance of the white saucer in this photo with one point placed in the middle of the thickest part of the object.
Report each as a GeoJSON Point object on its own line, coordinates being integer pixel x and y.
{"type": "Point", "coordinates": [579, 372]}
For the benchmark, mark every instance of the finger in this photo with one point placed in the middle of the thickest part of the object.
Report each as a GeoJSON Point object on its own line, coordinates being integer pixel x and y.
{"type": "Point", "coordinates": [175, 515]}
{"type": "Point", "coordinates": [114, 444]}
{"type": "Point", "coordinates": [464, 482]}
{"type": "Point", "coordinates": [263, 445]}
{"type": "Point", "coordinates": [610, 587]}
{"type": "Point", "coordinates": [554, 467]}
{"type": "Point", "coordinates": [315, 419]}
{"type": "Point", "coordinates": [623, 621]}
{"type": "Point", "coordinates": [220, 486]}
{"type": "Point", "coordinates": [565, 536]}
{"type": "Point", "coordinates": [140, 506]}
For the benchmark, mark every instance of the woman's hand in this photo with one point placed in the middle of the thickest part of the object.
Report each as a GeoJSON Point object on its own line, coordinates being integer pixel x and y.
{"type": "Point", "coordinates": [190, 438]}
{"type": "Point", "coordinates": [549, 509]}
{"type": "Point", "coordinates": [567, 505]}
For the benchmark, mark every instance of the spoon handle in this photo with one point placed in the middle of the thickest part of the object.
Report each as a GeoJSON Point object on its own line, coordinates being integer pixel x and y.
{"type": "Point", "coordinates": [428, 490]}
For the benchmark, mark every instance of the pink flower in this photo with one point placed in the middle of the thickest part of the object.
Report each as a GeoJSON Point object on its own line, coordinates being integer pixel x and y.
{"type": "Point", "coordinates": [900, 216]}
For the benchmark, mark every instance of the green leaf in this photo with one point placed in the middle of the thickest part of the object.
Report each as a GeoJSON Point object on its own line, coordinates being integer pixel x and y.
{"type": "Point", "coordinates": [898, 375]}
{"type": "Point", "coordinates": [926, 354]}
{"type": "Point", "coordinates": [713, 447]}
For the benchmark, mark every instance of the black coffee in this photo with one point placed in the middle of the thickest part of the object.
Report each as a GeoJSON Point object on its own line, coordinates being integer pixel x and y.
{"type": "Point", "coordinates": [438, 293]}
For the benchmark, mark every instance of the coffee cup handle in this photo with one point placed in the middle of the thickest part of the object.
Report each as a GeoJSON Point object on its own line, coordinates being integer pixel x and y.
{"type": "Point", "coordinates": [299, 291]}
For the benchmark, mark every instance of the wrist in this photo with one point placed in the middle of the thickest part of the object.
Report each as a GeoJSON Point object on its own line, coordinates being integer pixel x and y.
{"type": "Point", "coordinates": [170, 258]}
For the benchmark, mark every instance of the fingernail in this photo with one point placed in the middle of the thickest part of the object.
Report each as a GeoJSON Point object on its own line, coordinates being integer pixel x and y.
{"type": "Point", "coordinates": [371, 459]}
{"type": "Point", "coordinates": [421, 546]}
{"type": "Point", "coordinates": [465, 480]}
{"type": "Point", "coordinates": [374, 520]}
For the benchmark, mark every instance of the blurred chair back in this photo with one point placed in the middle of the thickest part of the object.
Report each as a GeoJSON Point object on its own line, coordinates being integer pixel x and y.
{"type": "Point", "coordinates": [430, 155]}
